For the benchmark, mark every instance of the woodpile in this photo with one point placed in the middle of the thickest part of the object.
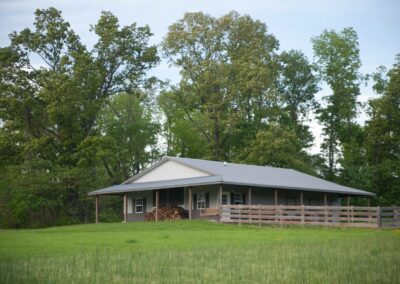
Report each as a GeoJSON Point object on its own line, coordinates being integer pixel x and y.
{"type": "Point", "coordinates": [167, 213]}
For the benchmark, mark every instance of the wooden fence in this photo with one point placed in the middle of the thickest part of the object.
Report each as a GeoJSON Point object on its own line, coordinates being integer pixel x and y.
{"type": "Point", "coordinates": [352, 216]}
{"type": "Point", "coordinates": [389, 217]}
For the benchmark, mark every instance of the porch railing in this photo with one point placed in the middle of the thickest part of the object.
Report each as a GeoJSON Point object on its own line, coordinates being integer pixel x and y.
{"type": "Point", "coordinates": [346, 216]}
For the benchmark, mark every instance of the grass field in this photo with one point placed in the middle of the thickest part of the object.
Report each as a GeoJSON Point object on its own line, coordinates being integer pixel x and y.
{"type": "Point", "coordinates": [198, 252]}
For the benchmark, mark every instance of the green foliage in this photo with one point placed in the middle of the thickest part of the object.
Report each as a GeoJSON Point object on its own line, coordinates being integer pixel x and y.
{"type": "Point", "coordinates": [82, 119]}
{"type": "Point", "coordinates": [228, 69]}
{"type": "Point", "coordinates": [49, 114]}
{"type": "Point", "coordinates": [297, 86]}
{"type": "Point", "coordinates": [338, 61]}
{"type": "Point", "coordinates": [277, 147]}
{"type": "Point", "coordinates": [383, 138]}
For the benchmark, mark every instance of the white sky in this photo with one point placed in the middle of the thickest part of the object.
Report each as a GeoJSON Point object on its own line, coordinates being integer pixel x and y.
{"type": "Point", "coordinates": [292, 22]}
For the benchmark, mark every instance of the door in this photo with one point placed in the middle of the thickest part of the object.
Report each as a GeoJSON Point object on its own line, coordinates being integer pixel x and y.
{"type": "Point", "coordinates": [226, 198]}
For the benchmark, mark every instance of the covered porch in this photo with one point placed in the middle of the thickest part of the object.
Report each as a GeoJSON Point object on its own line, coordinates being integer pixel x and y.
{"type": "Point", "coordinates": [206, 200]}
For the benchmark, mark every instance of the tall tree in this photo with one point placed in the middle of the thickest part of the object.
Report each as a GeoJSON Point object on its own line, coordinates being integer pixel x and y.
{"type": "Point", "coordinates": [128, 140]}
{"type": "Point", "coordinates": [338, 59]}
{"type": "Point", "coordinates": [228, 69]}
{"type": "Point", "coordinates": [49, 108]}
{"type": "Point", "coordinates": [297, 86]}
{"type": "Point", "coordinates": [383, 136]}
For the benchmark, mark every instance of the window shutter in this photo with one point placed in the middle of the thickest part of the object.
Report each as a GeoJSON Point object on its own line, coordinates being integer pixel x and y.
{"type": "Point", "coordinates": [194, 201]}
{"type": "Point", "coordinates": [244, 201]}
{"type": "Point", "coordinates": [207, 200]}
{"type": "Point", "coordinates": [133, 206]}
{"type": "Point", "coordinates": [232, 198]}
{"type": "Point", "coordinates": [144, 205]}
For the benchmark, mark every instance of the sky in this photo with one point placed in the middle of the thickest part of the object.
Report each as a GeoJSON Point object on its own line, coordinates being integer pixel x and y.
{"type": "Point", "coordinates": [292, 22]}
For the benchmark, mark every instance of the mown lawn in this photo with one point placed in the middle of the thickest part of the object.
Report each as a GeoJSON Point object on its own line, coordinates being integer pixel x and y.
{"type": "Point", "coordinates": [198, 252]}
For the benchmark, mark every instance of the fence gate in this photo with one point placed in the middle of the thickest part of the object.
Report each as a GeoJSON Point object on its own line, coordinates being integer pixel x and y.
{"type": "Point", "coordinates": [389, 217]}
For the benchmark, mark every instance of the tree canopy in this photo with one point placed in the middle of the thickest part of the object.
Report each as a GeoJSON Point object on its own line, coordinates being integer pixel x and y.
{"type": "Point", "coordinates": [74, 119]}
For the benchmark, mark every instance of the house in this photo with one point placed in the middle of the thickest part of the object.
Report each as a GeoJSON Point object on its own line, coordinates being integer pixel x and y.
{"type": "Point", "coordinates": [202, 186]}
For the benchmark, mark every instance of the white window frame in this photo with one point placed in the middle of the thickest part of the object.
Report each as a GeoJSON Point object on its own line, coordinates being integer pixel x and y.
{"type": "Point", "coordinates": [139, 205]}
{"type": "Point", "coordinates": [237, 198]}
{"type": "Point", "coordinates": [201, 200]}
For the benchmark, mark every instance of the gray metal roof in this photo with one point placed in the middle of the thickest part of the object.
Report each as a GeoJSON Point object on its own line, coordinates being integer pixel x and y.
{"type": "Point", "coordinates": [143, 186]}
{"type": "Point", "coordinates": [237, 174]}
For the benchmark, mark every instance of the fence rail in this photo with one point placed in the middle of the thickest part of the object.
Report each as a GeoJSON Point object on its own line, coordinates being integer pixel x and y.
{"type": "Point", "coordinates": [351, 216]}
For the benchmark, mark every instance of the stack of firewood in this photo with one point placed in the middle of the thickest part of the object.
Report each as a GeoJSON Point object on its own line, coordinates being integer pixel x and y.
{"type": "Point", "coordinates": [167, 213]}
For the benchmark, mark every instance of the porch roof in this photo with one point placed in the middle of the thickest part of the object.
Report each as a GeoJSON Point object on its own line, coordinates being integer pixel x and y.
{"type": "Point", "coordinates": [162, 184]}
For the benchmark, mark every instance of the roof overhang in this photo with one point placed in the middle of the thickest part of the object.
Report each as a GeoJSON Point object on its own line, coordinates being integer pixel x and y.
{"type": "Point", "coordinates": [163, 184]}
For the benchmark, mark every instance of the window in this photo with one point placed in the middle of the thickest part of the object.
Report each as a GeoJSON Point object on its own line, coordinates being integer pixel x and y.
{"type": "Point", "coordinates": [201, 200]}
{"type": "Point", "coordinates": [224, 200]}
{"type": "Point", "coordinates": [237, 199]}
{"type": "Point", "coordinates": [139, 208]}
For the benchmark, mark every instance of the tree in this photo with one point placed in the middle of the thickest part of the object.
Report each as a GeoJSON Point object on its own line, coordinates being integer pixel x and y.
{"type": "Point", "coordinates": [338, 59]}
{"type": "Point", "coordinates": [228, 70]}
{"type": "Point", "coordinates": [383, 136]}
{"type": "Point", "coordinates": [297, 86]}
{"type": "Point", "coordinates": [128, 126]}
{"type": "Point", "coordinates": [277, 147]}
{"type": "Point", "coordinates": [49, 112]}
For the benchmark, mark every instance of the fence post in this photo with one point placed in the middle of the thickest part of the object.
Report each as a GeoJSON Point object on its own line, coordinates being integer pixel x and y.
{"type": "Point", "coordinates": [259, 215]}
{"type": "Point", "coordinates": [352, 214]}
{"type": "Point", "coordinates": [240, 214]}
{"type": "Point", "coordinates": [280, 214]}
{"type": "Point", "coordinates": [250, 214]}
{"type": "Point", "coordinates": [395, 217]}
{"type": "Point", "coordinates": [302, 214]}
{"type": "Point", "coordinates": [378, 217]}
{"type": "Point", "coordinates": [326, 214]}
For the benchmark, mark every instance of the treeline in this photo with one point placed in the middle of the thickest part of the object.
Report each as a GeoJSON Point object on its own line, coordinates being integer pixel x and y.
{"type": "Point", "coordinates": [86, 118]}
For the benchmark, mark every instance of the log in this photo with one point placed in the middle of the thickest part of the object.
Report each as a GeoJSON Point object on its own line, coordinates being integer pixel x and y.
{"type": "Point", "coordinates": [167, 213]}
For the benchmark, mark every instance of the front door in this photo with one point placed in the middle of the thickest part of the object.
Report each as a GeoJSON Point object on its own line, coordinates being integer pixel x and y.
{"type": "Point", "coordinates": [226, 198]}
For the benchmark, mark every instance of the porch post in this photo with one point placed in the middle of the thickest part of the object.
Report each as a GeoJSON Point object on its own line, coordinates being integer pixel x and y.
{"type": "Point", "coordinates": [157, 201]}
{"type": "Point", "coordinates": [348, 200]}
{"type": "Point", "coordinates": [190, 203]}
{"type": "Point", "coordinates": [97, 209]}
{"type": "Point", "coordinates": [126, 207]}
{"type": "Point", "coordinates": [220, 195]}
{"type": "Point", "coordinates": [276, 197]}
{"type": "Point", "coordinates": [301, 198]}
{"type": "Point", "coordinates": [325, 199]}
{"type": "Point", "coordinates": [369, 201]}
{"type": "Point", "coordinates": [249, 197]}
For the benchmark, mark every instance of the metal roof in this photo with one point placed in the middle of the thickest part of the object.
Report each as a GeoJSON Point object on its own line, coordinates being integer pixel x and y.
{"type": "Point", "coordinates": [143, 186]}
{"type": "Point", "coordinates": [237, 174]}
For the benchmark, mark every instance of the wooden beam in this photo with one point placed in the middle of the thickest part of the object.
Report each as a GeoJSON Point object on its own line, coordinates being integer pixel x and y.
{"type": "Point", "coordinates": [301, 198]}
{"type": "Point", "coordinates": [249, 197]}
{"type": "Point", "coordinates": [97, 209]}
{"type": "Point", "coordinates": [190, 203]}
{"type": "Point", "coordinates": [157, 204]}
{"type": "Point", "coordinates": [220, 194]}
{"type": "Point", "coordinates": [126, 207]}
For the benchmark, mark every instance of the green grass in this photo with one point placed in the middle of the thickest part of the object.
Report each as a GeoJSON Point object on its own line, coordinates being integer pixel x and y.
{"type": "Point", "coordinates": [198, 252]}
